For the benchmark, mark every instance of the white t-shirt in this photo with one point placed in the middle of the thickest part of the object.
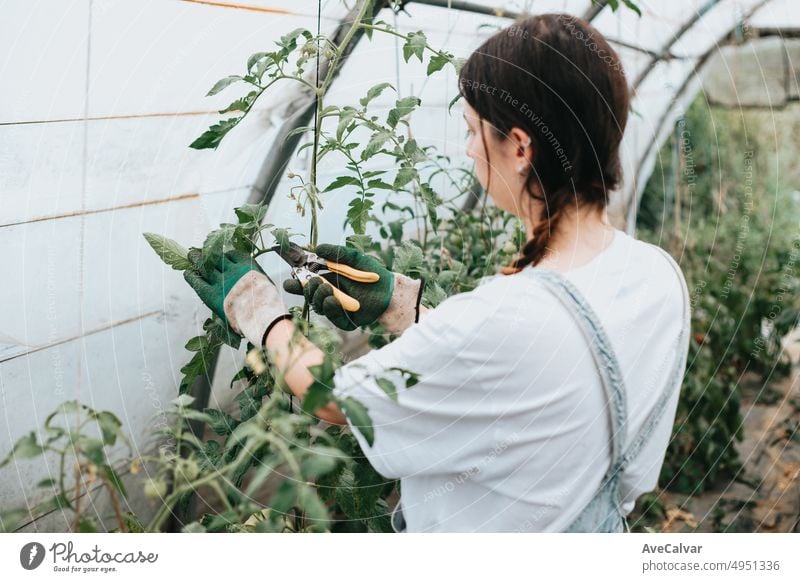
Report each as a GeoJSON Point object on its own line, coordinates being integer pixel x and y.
{"type": "Point", "coordinates": [507, 429]}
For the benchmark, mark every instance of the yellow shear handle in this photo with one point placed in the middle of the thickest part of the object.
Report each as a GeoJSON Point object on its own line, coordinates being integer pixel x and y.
{"type": "Point", "coordinates": [353, 274]}
{"type": "Point", "coordinates": [348, 303]}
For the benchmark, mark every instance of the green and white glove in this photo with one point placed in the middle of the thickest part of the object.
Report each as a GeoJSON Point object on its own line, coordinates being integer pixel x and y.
{"type": "Point", "coordinates": [239, 292]}
{"type": "Point", "coordinates": [393, 300]}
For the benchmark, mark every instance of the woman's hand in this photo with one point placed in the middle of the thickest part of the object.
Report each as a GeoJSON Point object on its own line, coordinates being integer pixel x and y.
{"type": "Point", "coordinates": [392, 300]}
{"type": "Point", "coordinates": [239, 292]}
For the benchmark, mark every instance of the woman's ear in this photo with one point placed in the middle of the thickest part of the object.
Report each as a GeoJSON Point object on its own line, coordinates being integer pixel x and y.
{"type": "Point", "coordinates": [523, 151]}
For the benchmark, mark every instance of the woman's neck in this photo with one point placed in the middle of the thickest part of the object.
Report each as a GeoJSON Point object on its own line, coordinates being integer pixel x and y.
{"type": "Point", "coordinates": [579, 237]}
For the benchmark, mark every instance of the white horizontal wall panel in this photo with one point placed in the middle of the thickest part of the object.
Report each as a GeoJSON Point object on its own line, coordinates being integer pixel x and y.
{"type": "Point", "coordinates": [122, 276]}
{"type": "Point", "coordinates": [136, 160]}
{"type": "Point", "coordinates": [31, 388]}
{"type": "Point", "coordinates": [134, 371]}
{"type": "Point", "coordinates": [131, 161]}
{"type": "Point", "coordinates": [41, 166]}
{"type": "Point", "coordinates": [43, 59]}
{"type": "Point", "coordinates": [131, 370]}
{"type": "Point", "coordinates": [150, 56]}
{"type": "Point", "coordinates": [41, 266]}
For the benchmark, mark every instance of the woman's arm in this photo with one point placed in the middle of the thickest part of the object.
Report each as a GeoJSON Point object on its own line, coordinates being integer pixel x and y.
{"type": "Point", "coordinates": [292, 361]}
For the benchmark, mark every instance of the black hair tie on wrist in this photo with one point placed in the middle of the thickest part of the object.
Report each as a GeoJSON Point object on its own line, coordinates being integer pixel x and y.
{"type": "Point", "coordinates": [271, 325]}
{"type": "Point", "coordinates": [419, 298]}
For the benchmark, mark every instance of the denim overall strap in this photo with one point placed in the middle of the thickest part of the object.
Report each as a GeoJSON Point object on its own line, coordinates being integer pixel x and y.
{"type": "Point", "coordinates": [675, 377]}
{"type": "Point", "coordinates": [603, 353]}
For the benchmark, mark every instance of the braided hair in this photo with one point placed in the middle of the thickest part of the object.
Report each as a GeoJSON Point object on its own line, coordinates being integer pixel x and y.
{"type": "Point", "coordinates": [557, 78]}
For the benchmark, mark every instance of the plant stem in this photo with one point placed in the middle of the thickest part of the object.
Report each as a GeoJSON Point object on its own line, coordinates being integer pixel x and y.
{"type": "Point", "coordinates": [77, 495]}
{"type": "Point", "coordinates": [115, 504]}
{"type": "Point", "coordinates": [319, 95]}
{"type": "Point", "coordinates": [403, 36]}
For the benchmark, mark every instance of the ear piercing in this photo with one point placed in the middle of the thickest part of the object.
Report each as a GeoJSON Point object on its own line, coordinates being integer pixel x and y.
{"type": "Point", "coordinates": [521, 169]}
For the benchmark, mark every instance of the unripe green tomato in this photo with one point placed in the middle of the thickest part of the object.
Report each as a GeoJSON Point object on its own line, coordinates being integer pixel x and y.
{"type": "Point", "coordinates": [509, 248]}
{"type": "Point", "coordinates": [455, 239]}
{"type": "Point", "coordinates": [155, 489]}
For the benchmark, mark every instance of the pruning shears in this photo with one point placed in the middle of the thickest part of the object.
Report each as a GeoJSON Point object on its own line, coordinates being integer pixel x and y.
{"type": "Point", "coordinates": [306, 265]}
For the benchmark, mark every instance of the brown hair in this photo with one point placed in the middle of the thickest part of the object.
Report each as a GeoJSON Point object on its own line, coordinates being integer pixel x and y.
{"type": "Point", "coordinates": [557, 78]}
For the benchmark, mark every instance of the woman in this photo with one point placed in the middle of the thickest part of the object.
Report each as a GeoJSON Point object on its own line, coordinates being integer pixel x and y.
{"type": "Point", "coordinates": [546, 396]}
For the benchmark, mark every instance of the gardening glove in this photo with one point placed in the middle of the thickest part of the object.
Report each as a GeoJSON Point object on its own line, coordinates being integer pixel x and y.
{"type": "Point", "coordinates": [239, 292]}
{"type": "Point", "coordinates": [393, 300]}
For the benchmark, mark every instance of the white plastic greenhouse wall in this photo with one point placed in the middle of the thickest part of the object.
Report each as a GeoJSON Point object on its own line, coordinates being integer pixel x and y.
{"type": "Point", "coordinates": [99, 101]}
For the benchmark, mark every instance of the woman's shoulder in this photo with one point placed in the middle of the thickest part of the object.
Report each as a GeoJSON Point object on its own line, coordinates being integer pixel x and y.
{"type": "Point", "coordinates": [500, 300]}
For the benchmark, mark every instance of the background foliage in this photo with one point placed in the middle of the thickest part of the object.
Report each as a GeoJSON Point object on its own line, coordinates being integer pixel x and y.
{"type": "Point", "coordinates": [724, 204]}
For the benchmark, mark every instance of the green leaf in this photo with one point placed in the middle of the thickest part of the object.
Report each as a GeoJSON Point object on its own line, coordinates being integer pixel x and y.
{"type": "Point", "coordinates": [218, 523]}
{"type": "Point", "coordinates": [213, 136]}
{"type": "Point", "coordinates": [222, 84]}
{"type": "Point", "coordinates": [372, 93]}
{"type": "Point", "coordinates": [630, 4]}
{"type": "Point", "coordinates": [404, 176]}
{"type": "Point", "coordinates": [453, 102]}
{"type": "Point", "coordinates": [359, 418]}
{"type": "Point", "coordinates": [437, 63]}
{"type": "Point", "coordinates": [192, 414]}
{"type": "Point", "coordinates": [251, 213]}
{"type": "Point", "coordinates": [411, 380]}
{"type": "Point", "coordinates": [219, 332]}
{"type": "Point", "coordinates": [264, 468]}
{"type": "Point", "coordinates": [289, 40]}
{"type": "Point", "coordinates": [320, 461]}
{"type": "Point", "coordinates": [361, 242]}
{"type": "Point", "coordinates": [378, 184]}
{"type": "Point", "coordinates": [358, 214]}
{"type": "Point", "coordinates": [413, 152]}
{"type": "Point", "coordinates": [199, 365]}
{"type": "Point", "coordinates": [284, 498]}
{"type": "Point", "coordinates": [415, 45]}
{"type": "Point", "coordinates": [25, 448]}
{"type": "Point", "coordinates": [375, 143]}
{"type": "Point", "coordinates": [242, 374]}
{"type": "Point", "coordinates": [281, 236]}
{"type": "Point", "coordinates": [457, 63]}
{"type": "Point", "coordinates": [197, 343]}
{"type": "Point", "coordinates": [432, 202]}
{"type": "Point", "coordinates": [87, 525]}
{"type": "Point", "coordinates": [221, 422]}
{"type": "Point", "coordinates": [253, 59]}
{"type": "Point", "coordinates": [114, 479]}
{"type": "Point", "coordinates": [92, 448]}
{"type": "Point", "coordinates": [314, 509]}
{"type": "Point", "coordinates": [342, 181]}
{"type": "Point", "coordinates": [408, 258]}
{"type": "Point", "coordinates": [132, 523]}
{"type": "Point", "coordinates": [217, 242]}
{"type": "Point", "coordinates": [345, 117]}
{"type": "Point", "coordinates": [194, 527]}
{"type": "Point", "coordinates": [169, 251]}
{"type": "Point", "coordinates": [317, 396]}
{"type": "Point", "coordinates": [242, 104]}
{"type": "Point", "coordinates": [401, 109]}
{"type": "Point", "coordinates": [388, 386]}
{"type": "Point", "coordinates": [46, 483]}
{"type": "Point", "coordinates": [211, 454]}
{"type": "Point", "coordinates": [182, 401]}
{"type": "Point", "coordinates": [109, 426]}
